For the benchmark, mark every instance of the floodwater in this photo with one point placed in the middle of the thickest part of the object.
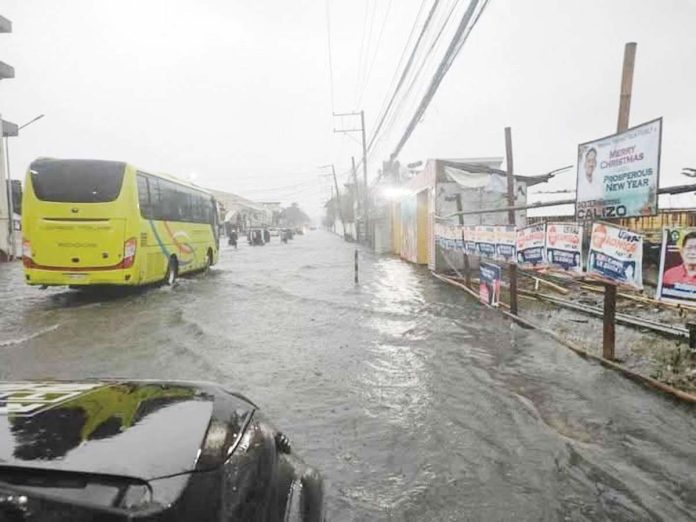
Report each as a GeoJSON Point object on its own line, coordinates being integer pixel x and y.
{"type": "Point", "coordinates": [413, 401]}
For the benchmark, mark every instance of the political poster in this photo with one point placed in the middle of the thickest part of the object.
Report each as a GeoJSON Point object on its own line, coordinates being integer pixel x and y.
{"type": "Point", "coordinates": [489, 283]}
{"type": "Point", "coordinates": [505, 236]}
{"type": "Point", "coordinates": [677, 280]}
{"type": "Point", "coordinates": [618, 175]}
{"type": "Point", "coordinates": [531, 246]}
{"type": "Point", "coordinates": [564, 246]}
{"type": "Point", "coordinates": [616, 255]}
{"type": "Point", "coordinates": [485, 241]}
{"type": "Point", "coordinates": [469, 232]}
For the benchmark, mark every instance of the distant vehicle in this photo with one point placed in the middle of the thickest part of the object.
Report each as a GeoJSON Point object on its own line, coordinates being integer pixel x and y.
{"type": "Point", "coordinates": [148, 451]}
{"type": "Point", "coordinates": [274, 232]}
{"type": "Point", "coordinates": [89, 222]}
{"type": "Point", "coordinates": [299, 231]}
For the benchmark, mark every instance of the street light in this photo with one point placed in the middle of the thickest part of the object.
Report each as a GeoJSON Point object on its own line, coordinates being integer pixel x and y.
{"type": "Point", "coordinates": [10, 203]}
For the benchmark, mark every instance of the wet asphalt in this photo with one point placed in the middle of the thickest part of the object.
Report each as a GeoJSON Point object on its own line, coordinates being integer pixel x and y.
{"type": "Point", "coordinates": [413, 401]}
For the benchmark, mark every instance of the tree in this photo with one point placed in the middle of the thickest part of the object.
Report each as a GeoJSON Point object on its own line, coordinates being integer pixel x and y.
{"type": "Point", "coordinates": [294, 216]}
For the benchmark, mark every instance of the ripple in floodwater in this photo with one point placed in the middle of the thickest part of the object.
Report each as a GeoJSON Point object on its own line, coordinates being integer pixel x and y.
{"type": "Point", "coordinates": [413, 401]}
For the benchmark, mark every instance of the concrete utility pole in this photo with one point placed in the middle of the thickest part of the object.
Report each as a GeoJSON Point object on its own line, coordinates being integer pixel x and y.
{"type": "Point", "coordinates": [609, 326]}
{"type": "Point", "coordinates": [512, 267]}
{"type": "Point", "coordinates": [361, 130]}
{"type": "Point", "coordinates": [357, 196]}
{"type": "Point", "coordinates": [338, 195]}
{"type": "Point", "coordinates": [366, 198]}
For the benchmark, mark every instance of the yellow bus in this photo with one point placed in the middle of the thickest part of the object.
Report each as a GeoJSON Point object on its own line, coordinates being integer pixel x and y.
{"type": "Point", "coordinates": [94, 222]}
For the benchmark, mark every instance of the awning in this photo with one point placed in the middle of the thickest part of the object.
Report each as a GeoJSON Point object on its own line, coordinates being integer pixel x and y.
{"type": "Point", "coordinates": [476, 180]}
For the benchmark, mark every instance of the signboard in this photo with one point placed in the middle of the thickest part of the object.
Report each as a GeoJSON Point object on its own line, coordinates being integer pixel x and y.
{"type": "Point", "coordinates": [564, 246]}
{"type": "Point", "coordinates": [616, 255]}
{"type": "Point", "coordinates": [678, 266]}
{"type": "Point", "coordinates": [531, 250]}
{"type": "Point", "coordinates": [489, 283]}
{"type": "Point", "coordinates": [485, 241]}
{"type": "Point", "coordinates": [618, 175]}
{"type": "Point", "coordinates": [505, 236]}
{"type": "Point", "coordinates": [470, 237]}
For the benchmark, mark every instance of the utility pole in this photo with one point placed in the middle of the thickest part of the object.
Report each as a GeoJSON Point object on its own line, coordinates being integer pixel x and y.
{"type": "Point", "coordinates": [357, 195]}
{"type": "Point", "coordinates": [361, 130]}
{"type": "Point", "coordinates": [6, 129]}
{"type": "Point", "coordinates": [512, 267]}
{"type": "Point", "coordinates": [609, 326]}
{"type": "Point", "coordinates": [338, 196]}
{"type": "Point", "coordinates": [366, 198]}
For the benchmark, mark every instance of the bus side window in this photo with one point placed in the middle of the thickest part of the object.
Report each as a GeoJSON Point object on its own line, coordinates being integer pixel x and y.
{"type": "Point", "coordinates": [144, 197]}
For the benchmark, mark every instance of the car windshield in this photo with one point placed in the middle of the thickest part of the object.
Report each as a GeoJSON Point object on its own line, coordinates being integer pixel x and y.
{"type": "Point", "coordinates": [447, 248]}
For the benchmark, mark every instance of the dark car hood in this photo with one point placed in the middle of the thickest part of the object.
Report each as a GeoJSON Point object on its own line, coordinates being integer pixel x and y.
{"type": "Point", "coordinates": [140, 429]}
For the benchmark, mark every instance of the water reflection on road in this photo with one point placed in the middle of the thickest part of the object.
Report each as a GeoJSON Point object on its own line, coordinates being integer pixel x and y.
{"type": "Point", "coordinates": [415, 402]}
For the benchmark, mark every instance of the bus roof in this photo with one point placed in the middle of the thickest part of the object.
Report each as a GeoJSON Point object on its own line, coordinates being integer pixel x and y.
{"type": "Point", "coordinates": [162, 175]}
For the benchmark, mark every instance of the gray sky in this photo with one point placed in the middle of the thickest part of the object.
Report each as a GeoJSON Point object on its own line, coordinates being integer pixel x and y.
{"type": "Point", "coordinates": [237, 93]}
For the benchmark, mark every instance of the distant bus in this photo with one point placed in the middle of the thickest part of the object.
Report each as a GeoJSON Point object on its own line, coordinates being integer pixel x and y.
{"type": "Point", "coordinates": [93, 222]}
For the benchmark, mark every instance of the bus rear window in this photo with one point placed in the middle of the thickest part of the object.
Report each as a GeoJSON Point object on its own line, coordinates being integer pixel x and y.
{"type": "Point", "coordinates": [77, 181]}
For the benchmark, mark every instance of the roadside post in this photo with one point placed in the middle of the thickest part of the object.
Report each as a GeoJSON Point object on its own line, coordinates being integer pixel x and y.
{"type": "Point", "coordinates": [609, 326]}
{"type": "Point", "coordinates": [356, 266]}
{"type": "Point", "coordinates": [512, 267]}
{"type": "Point", "coordinates": [692, 335]}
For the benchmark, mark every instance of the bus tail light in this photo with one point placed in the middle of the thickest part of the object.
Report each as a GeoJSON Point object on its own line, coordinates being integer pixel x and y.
{"type": "Point", "coordinates": [26, 253]}
{"type": "Point", "coordinates": [129, 253]}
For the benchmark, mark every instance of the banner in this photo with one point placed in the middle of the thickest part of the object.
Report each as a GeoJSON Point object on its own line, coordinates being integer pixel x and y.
{"type": "Point", "coordinates": [678, 266]}
{"type": "Point", "coordinates": [618, 175]}
{"type": "Point", "coordinates": [616, 255]}
{"type": "Point", "coordinates": [564, 246]}
{"type": "Point", "coordinates": [448, 237]}
{"type": "Point", "coordinates": [489, 283]}
{"type": "Point", "coordinates": [470, 237]}
{"type": "Point", "coordinates": [505, 236]}
{"type": "Point", "coordinates": [531, 251]}
{"type": "Point", "coordinates": [485, 241]}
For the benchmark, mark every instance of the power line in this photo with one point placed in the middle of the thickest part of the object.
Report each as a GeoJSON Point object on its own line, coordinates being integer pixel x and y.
{"type": "Point", "coordinates": [328, 40]}
{"type": "Point", "coordinates": [374, 55]}
{"type": "Point", "coordinates": [453, 49]}
{"type": "Point", "coordinates": [416, 76]}
{"type": "Point", "coordinates": [362, 46]}
{"type": "Point", "coordinates": [405, 71]}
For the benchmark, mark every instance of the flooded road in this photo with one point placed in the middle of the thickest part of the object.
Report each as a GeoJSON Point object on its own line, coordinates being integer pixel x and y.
{"type": "Point", "coordinates": [413, 401]}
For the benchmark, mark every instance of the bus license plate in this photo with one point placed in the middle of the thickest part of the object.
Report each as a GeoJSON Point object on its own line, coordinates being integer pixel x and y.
{"type": "Point", "coordinates": [76, 277]}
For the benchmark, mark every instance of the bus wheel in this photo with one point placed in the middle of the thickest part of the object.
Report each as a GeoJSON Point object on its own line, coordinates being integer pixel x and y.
{"type": "Point", "coordinates": [208, 261]}
{"type": "Point", "coordinates": [172, 272]}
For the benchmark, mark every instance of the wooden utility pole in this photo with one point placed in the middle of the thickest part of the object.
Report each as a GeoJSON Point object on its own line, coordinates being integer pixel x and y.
{"type": "Point", "coordinates": [609, 326]}
{"type": "Point", "coordinates": [512, 267]}
{"type": "Point", "coordinates": [357, 198]}
{"type": "Point", "coordinates": [338, 199]}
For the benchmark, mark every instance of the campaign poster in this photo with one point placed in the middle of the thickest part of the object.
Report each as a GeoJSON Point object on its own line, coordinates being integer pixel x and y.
{"type": "Point", "coordinates": [616, 255]}
{"type": "Point", "coordinates": [678, 266]}
{"type": "Point", "coordinates": [457, 237]}
{"type": "Point", "coordinates": [485, 241]}
{"type": "Point", "coordinates": [469, 232]}
{"type": "Point", "coordinates": [505, 237]}
{"type": "Point", "coordinates": [531, 246]}
{"type": "Point", "coordinates": [564, 246]}
{"type": "Point", "coordinates": [440, 235]}
{"type": "Point", "coordinates": [618, 175]}
{"type": "Point", "coordinates": [489, 283]}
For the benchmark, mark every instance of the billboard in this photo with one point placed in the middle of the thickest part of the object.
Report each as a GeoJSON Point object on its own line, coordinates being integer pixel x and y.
{"type": "Point", "coordinates": [616, 255]}
{"type": "Point", "coordinates": [678, 266]}
{"type": "Point", "coordinates": [618, 175]}
{"type": "Point", "coordinates": [564, 246]}
{"type": "Point", "coordinates": [489, 283]}
{"type": "Point", "coordinates": [505, 236]}
{"type": "Point", "coordinates": [531, 246]}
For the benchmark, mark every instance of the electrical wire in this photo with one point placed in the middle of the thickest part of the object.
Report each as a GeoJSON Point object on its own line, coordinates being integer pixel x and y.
{"type": "Point", "coordinates": [328, 40]}
{"type": "Point", "coordinates": [404, 73]}
{"type": "Point", "coordinates": [453, 49]}
{"type": "Point", "coordinates": [374, 55]}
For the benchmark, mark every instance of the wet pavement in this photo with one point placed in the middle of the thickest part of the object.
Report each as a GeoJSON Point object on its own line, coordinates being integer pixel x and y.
{"type": "Point", "coordinates": [414, 402]}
